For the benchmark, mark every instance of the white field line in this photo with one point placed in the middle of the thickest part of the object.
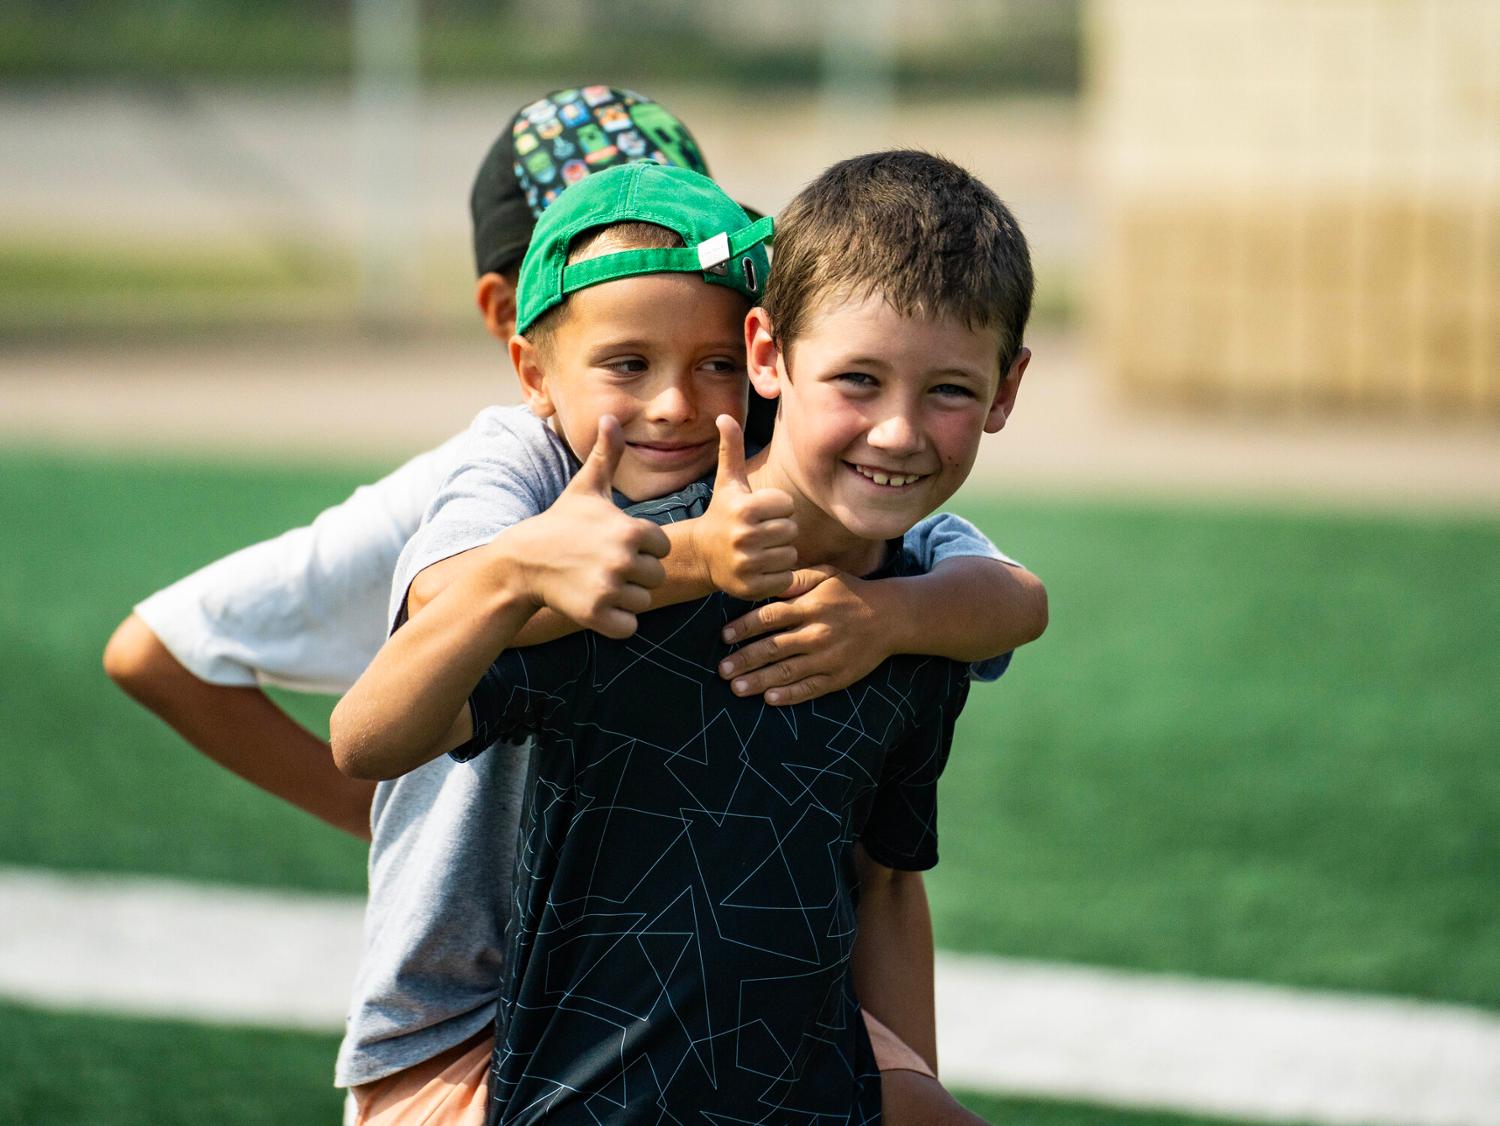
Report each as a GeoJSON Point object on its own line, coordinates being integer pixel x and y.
{"type": "Point", "coordinates": [160, 948]}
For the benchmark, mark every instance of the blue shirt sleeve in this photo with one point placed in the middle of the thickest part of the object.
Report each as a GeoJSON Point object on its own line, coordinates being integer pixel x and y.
{"type": "Point", "coordinates": [946, 536]}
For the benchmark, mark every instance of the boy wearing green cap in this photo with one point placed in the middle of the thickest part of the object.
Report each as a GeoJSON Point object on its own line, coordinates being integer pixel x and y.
{"type": "Point", "coordinates": [683, 932]}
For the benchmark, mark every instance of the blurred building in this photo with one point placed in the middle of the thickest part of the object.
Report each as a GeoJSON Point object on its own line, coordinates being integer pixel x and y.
{"type": "Point", "coordinates": [1301, 200]}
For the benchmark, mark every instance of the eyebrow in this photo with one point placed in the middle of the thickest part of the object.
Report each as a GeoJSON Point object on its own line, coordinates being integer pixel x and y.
{"type": "Point", "coordinates": [876, 362]}
{"type": "Point", "coordinates": [729, 343]}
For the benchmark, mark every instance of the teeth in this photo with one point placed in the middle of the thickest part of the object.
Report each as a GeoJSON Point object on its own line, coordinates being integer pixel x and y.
{"type": "Point", "coordinates": [897, 480]}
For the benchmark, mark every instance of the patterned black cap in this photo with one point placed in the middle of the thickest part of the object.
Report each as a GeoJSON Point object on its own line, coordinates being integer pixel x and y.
{"type": "Point", "coordinates": [558, 140]}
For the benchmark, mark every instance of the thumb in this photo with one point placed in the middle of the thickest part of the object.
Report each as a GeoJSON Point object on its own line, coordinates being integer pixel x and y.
{"type": "Point", "coordinates": [731, 454]}
{"type": "Point", "coordinates": [598, 469]}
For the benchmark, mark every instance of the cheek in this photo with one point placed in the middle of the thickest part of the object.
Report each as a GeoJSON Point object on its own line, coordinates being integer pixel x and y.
{"type": "Point", "coordinates": [612, 400]}
{"type": "Point", "coordinates": [956, 438]}
{"type": "Point", "coordinates": [724, 396]}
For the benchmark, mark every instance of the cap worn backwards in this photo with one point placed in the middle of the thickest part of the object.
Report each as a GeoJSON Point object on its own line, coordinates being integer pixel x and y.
{"type": "Point", "coordinates": [721, 241]}
{"type": "Point", "coordinates": [559, 140]}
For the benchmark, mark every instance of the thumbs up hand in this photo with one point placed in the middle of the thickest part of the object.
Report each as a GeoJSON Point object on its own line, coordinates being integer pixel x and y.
{"type": "Point", "coordinates": [588, 560]}
{"type": "Point", "coordinates": [746, 538]}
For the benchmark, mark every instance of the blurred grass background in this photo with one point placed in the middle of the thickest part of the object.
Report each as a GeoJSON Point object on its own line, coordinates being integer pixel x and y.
{"type": "Point", "coordinates": [1252, 744]}
{"type": "Point", "coordinates": [1206, 766]}
{"type": "Point", "coordinates": [78, 1068]}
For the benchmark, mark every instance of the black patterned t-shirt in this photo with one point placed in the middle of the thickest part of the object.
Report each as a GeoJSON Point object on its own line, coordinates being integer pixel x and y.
{"type": "Point", "coordinates": [685, 887]}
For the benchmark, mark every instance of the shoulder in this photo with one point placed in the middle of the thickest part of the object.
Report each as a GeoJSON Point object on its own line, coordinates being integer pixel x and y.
{"type": "Point", "coordinates": [513, 427]}
{"type": "Point", "coordinates": [944, 535]}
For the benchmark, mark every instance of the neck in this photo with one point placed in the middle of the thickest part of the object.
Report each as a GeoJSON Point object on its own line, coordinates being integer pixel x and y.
{"type": "Point", "coordinates": [821, 540]}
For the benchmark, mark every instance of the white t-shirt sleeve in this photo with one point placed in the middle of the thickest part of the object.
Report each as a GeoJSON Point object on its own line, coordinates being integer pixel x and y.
{"type": "Point", "coordinates": [304, 610]}
{"type": "Point", "coordinates": [511, 467]}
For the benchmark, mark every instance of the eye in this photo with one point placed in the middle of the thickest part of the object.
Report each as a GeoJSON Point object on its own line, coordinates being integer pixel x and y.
{"type": "Point", "coordinates": [723, 365]}
{"type": "Point", "coordinates": [856, 379]}
{"type": "Point", "coordinates": [953, 391]}
{"type": "Point", "coordinates": [626, 365]}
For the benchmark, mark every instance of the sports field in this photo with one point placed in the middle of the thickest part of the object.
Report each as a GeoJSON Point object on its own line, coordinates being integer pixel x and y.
{"type": "Point", "coordinates": [1253, 745]}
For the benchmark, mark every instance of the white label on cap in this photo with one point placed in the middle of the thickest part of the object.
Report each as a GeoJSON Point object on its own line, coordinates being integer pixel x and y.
{"type": "Point", "coordinates": [714, 251]}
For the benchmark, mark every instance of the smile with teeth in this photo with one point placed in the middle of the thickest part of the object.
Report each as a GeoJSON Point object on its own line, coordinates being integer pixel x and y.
{"type": "Point", "coordinates": [884, 477]}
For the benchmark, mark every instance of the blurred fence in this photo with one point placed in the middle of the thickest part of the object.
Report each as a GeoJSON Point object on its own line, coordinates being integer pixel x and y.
{"type": "Point", "coordinates": [988, 45]}
{"type": "Point", "coordinates": [1302, 200]}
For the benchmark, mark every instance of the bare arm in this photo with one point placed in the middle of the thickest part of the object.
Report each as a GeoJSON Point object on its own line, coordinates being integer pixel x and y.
{"type": "Point", "coordinates": [408, 707]}
{"type": "Point", "coordinates": [239, 728]}
{"type": "Point", "coordinates": [687, 578]}
{"type": "Point", "coordinates": [583, 557]}
{"type": "Point", "coordinates": [742, 545]}
{"type": "Point", "coordinates": [832, 629]}
{"type": "Point", "coordinates": [892, 961]}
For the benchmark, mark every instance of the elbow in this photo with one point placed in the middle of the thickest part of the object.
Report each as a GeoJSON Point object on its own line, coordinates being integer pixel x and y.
{"type": "Point", "coordinates": [1037, 621]}
{"type": "Point", "coordinates": [361, 763]}
{"type": "Point", "coordinates": [136, 660]}
{"type": "Point", "coordinates": [356, 752]}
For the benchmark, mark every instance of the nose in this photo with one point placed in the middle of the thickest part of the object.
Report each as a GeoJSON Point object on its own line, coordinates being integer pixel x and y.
{"type": "Point", "coordinates": [674, 402]}
{"type": "Point", "coordinates": [896, 434]}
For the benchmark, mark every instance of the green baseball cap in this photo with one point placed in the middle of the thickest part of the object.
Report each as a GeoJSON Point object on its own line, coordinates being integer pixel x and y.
{"type": "Point", "coordinates": [721, 241]}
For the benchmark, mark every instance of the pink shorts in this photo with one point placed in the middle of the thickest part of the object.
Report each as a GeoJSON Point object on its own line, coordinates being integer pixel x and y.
{"type": "Point", "coordinates": [452, 1088]}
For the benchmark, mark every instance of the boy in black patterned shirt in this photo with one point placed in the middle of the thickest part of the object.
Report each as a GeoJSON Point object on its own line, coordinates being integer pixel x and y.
{"type": "Point", "coordinates": [686, 897]}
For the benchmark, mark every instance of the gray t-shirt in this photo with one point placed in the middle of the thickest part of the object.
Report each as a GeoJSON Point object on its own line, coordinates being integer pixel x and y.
{"type": "Point", "coordinates": [443, 836]}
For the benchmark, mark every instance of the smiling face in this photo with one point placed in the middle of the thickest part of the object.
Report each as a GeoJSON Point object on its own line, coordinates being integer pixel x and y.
{"type": "Point", "coordinates": [664, 354]}
{"type": "Point", "coordinates": [881, 413]}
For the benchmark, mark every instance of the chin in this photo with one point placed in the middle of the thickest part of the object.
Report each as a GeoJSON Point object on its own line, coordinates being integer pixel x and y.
{"type": "Point", "coordinates": [868, 525]}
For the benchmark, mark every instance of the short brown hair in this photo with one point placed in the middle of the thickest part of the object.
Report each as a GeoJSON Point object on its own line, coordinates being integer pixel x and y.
{"type": "Point", "coordinates": [918, 230]}
{"type": "Point", "coordinates": [592, 243]}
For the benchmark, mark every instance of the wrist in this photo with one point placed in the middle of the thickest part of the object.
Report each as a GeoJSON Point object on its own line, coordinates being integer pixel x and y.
{"type": "Point", "coordinates": [700, 562]}
{"type": "Point", "coordinates": [512, 574]}
{"type": "Point", "coordinates": [895, 622]}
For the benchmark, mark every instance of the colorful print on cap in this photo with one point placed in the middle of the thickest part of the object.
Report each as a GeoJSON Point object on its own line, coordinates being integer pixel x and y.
{"type": "Point", "coordinates": [590, 129]}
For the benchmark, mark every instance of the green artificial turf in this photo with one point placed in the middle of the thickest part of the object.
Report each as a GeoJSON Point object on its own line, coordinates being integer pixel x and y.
{"type": "Point", "coordinates": [1251, 745]}
{"type": "Point", "coordinates": [93, 781]}
{"type": "Point", "coordinates": [69, 1068]}
{"type": "Point", "coordinates": [1038, 1112]}
{"type": "Point", "coordinates": [76, 1068]}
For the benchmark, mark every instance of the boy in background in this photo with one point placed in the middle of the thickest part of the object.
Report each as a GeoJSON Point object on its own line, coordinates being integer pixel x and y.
{"type": "Point", "coordinates": [684, 913]}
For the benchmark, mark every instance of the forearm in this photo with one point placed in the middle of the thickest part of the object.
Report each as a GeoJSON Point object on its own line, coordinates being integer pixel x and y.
{"type": "Point", "coordinates": [239, 728]}
{"type": "Point", "coordinates": [892, 961]}
{"type": "Point", "coordinates": [967, 608]}
{"type": "Point", "coordinates": [687, 579]}
{"type": "Point", "coordinates": [409, 706]}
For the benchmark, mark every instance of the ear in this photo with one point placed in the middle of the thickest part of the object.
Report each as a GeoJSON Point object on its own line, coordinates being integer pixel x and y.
{"type": "Point", "coordinates": [531, 372]}
{"type": "Point", "coordinates": [495, 294]}
{"type": "Point", "coordinates": [762, 354]}
{"type": "Point", "coordinates": [1005, 397]}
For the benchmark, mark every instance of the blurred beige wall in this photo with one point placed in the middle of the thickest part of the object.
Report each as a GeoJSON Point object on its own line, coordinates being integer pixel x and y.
{"type": "Point", "coordinates": [1301, 200]}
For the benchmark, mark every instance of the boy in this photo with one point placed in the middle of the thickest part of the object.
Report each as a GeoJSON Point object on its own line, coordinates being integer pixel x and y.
{"type": "Point", "coordinates": [305, 611]}
{"type": "Point", "coordinates": [685, 907]}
